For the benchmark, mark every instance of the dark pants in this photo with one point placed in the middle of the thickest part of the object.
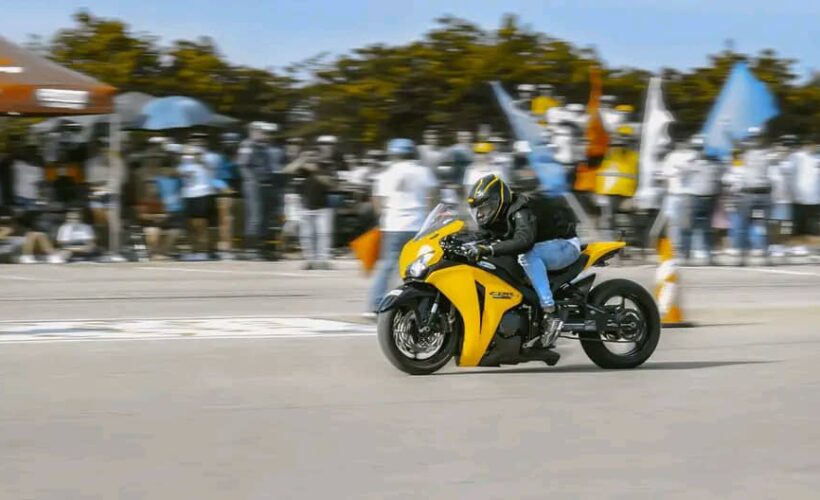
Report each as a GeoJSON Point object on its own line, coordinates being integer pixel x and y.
{"type": "Point", "coordinates": [702, 209]}
{"type": "Point", "coordinates": [263, 210]}
{"type": "Point", "coordinates": [807, 220]}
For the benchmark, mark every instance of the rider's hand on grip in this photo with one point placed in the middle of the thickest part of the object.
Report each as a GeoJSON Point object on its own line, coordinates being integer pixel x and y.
{"type": "Point", "coordinates": [474, 251]}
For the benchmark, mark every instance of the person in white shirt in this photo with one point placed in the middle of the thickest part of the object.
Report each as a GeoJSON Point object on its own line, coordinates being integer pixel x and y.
{"type": "Point", "coordinates": [75, 238]}
{"type": "Point", "coordinates": [402, 196]}
{"type": "Point", "coordinates": [677, 169]}
{"type": "Point", "coordinates": [198, 196]}
{"type": "Point", "coordinates": [806, 190]}
{"type": "Point", "coordinates": [431, 155]}
{"type": "Point", "coordinates": [27, 173]}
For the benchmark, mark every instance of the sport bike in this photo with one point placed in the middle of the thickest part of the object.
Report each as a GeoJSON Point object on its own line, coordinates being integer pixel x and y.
{"type": "Point", "coordinates": [486, 313]}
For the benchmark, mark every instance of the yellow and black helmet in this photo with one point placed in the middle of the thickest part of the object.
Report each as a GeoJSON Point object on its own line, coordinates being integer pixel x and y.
{"type": "Point", "coordinates": [489, 199]}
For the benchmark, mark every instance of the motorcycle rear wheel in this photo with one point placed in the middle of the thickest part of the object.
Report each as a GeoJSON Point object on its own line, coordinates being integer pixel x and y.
{"type": "Point", "coordinates": [391, 340]}
{"type": "Point", "coordinates": [645, 313]}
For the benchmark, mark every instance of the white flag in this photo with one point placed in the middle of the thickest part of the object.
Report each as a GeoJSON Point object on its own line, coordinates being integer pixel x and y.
{"type": "Point", "coordinates": [654, 136]}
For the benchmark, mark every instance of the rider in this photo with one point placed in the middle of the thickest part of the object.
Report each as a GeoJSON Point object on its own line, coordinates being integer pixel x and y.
{"type": "Point", "coordinates": [540, 231]}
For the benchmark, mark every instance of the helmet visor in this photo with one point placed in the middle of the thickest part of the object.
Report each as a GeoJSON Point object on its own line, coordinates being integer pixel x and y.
{"type": "Point", "coordinates": [484, 212]}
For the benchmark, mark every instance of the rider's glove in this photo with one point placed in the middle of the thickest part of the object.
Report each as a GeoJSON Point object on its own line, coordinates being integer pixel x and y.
{"type": "Point", "coordinates": [475, 251]}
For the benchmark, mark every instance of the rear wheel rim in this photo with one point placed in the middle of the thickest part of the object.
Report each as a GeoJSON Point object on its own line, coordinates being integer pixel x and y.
{"type": "Point", "coordinates": [627, 333]}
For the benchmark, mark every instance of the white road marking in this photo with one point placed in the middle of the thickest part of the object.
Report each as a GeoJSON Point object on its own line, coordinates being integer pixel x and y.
{"type": "Point", "coordinates": [175, 329]}
{"type": "Point", "coordinates": [25, 278]}
{"type": "Point", "coordinates": [305, 274]}
{"type": "Point", "coordinates": [753, 269]}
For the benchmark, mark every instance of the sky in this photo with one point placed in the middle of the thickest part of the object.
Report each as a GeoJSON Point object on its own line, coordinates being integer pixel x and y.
{"type": "Point", "coordinates": [649, 34]}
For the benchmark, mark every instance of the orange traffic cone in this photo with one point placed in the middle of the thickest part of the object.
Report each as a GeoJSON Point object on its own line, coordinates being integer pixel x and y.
{"type": "Point", "coordinates": [667, 287]}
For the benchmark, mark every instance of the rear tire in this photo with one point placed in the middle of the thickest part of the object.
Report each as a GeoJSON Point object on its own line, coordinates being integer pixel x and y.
{"type": "Point", "coordinates": [387, 341]}
{"type": "Point", "coordinates": [591, 341]}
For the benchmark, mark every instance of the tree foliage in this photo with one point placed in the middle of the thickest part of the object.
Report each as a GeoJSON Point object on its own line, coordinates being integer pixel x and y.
{"type": "Point", "coordinates": [379, 91]}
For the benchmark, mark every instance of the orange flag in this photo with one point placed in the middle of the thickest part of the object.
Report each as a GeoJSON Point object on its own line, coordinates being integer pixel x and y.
{"type": "Point", "coordinates": [597, 137]}
{"type": "Point", "coordinates": [366, 248]}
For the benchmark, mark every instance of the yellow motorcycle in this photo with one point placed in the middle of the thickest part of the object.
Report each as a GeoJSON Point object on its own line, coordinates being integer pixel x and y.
{"type": "Point", "coordinates": [486, 313]}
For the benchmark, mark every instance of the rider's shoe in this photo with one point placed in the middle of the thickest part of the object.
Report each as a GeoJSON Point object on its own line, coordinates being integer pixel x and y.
{"type": "Point", "coordinates": [551, 326]}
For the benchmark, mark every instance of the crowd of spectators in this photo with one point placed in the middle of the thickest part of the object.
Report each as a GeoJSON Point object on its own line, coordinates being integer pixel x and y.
{"type": "Point", "coordinates": [218, 195]}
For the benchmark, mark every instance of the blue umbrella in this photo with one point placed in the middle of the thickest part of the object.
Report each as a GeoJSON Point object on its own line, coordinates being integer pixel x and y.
{"type": "Point", "coordinates": [175, 112]}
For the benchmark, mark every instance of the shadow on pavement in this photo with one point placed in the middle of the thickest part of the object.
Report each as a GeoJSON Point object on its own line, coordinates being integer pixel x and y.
{"type": "Point", "coordinates": [650, 366]}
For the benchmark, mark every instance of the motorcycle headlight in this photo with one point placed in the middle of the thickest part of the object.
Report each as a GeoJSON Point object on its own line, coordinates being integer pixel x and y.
{"type": "Point", "coordinates": [418, 267]}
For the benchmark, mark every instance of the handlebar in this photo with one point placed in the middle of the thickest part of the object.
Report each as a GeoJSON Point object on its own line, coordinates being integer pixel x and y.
{"type": "Point", "coordinates": [455, 247]}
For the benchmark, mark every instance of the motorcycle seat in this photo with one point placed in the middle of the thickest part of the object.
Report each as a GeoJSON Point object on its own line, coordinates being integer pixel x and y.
{"type": "Point", "coordinates": [558, 277]}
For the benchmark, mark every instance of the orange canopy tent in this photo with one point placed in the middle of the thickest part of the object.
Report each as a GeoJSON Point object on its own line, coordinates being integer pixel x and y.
{"type": "Point", "coordinates": [31, 85]}
{"type": "Point", "coordinates": [35, 86]}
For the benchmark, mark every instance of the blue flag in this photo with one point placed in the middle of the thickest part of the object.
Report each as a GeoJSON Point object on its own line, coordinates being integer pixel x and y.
{"type": "Point", "coordinates": [744, 102]}
{"type": "Point", "coordinates": [551, 174]}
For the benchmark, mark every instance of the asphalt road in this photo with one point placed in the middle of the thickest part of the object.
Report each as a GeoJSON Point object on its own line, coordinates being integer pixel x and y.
{"type": "Point", "coordinates": [245, 380]}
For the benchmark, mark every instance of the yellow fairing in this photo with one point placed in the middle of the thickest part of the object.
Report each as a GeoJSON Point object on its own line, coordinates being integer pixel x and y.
{"type": "Point", "coordinates": [457, 283]}
{"type": "Point", "coordinates": [429, 243]}
{"type": "Point", "coordinates": [595, 251]}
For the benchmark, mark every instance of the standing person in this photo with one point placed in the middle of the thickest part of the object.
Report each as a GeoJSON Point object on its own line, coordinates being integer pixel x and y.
{"type": "Point", "coordinates": [430, 153]}
{"type": "Point", "coordinates": [198, 197]}
{"type": "Point", "coordinates": [169, 190]}
{"type": "Point", "coordinates": [332, 164]}
{"type": "Point", "coordinates": [260, 164]}
{"type": "Point", "coordinates": [704, 188]}
{"type": "Point", "coordinates": [482, 165]}
{"type": "Point", "coordinates": [291, 202]}
{"type": "Point", "coordinates": [98, 187]}
{"type": "Point", "coordinates": [316, 217]}
{"type": "Point", "coordinates": [27, 172]}
{"type": "Point", "coordinates": [617, 178]}
{"type": "Point", "coordinates": [781, 175]}
{"type": "Point", "coordinates": [677, 168]}
{"type": "Point", "coordinates": [756, 190]}
{"type": "Point", "coordinates": [807, 190]}
{"type": "Point", "coordinates": [402, 197]}
{"type": "Point", "coordinates": [228, 184]}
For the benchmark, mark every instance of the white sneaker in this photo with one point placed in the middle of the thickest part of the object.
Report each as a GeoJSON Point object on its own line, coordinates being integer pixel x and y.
{"type": "Point", "coordinates": [27, 259]}
{"type": "Point", "coordinates": [56, 258]}
{"type": "Point", "coordinates": [800, 251]}
{"type": "Point", "coordinates": [757, 252]}
{"type": "Point", "coordinates": [733, 252]}
{"type": "Point", "coordinates": [777, 251]}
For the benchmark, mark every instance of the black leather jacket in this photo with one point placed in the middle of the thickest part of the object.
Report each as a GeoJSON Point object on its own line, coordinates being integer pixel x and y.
{"type": "Point", "coordinates": [514, 234]}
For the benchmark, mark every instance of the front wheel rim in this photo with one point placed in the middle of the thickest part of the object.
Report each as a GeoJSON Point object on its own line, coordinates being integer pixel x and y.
{"type": "Point", "coordinates": [413, 341]}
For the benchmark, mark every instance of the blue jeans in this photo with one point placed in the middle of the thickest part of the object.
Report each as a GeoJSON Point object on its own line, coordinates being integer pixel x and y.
{"type": "Point", "coordinates": [747, 222]}
{"type": "Point", "coordinates": [702, 209]}
{"type": "Point", "coordinates": [678, 210]}
{"type": "Point", "coordinates": [545, 255]}
{"type": "Point", "coordinates": [391, 245]}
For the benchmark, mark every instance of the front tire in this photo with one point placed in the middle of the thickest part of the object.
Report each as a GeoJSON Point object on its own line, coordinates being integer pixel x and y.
{"type": "Point", "coordinates": [643, 310]}
{"type": "Point", "coordinates": [387, 333]}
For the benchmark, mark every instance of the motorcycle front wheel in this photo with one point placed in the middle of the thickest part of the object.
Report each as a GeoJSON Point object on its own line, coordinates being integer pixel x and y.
{"type": "Point", "coordinates": [634, 326]}
{"type": "Point", "coordinates": [412, 343]}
